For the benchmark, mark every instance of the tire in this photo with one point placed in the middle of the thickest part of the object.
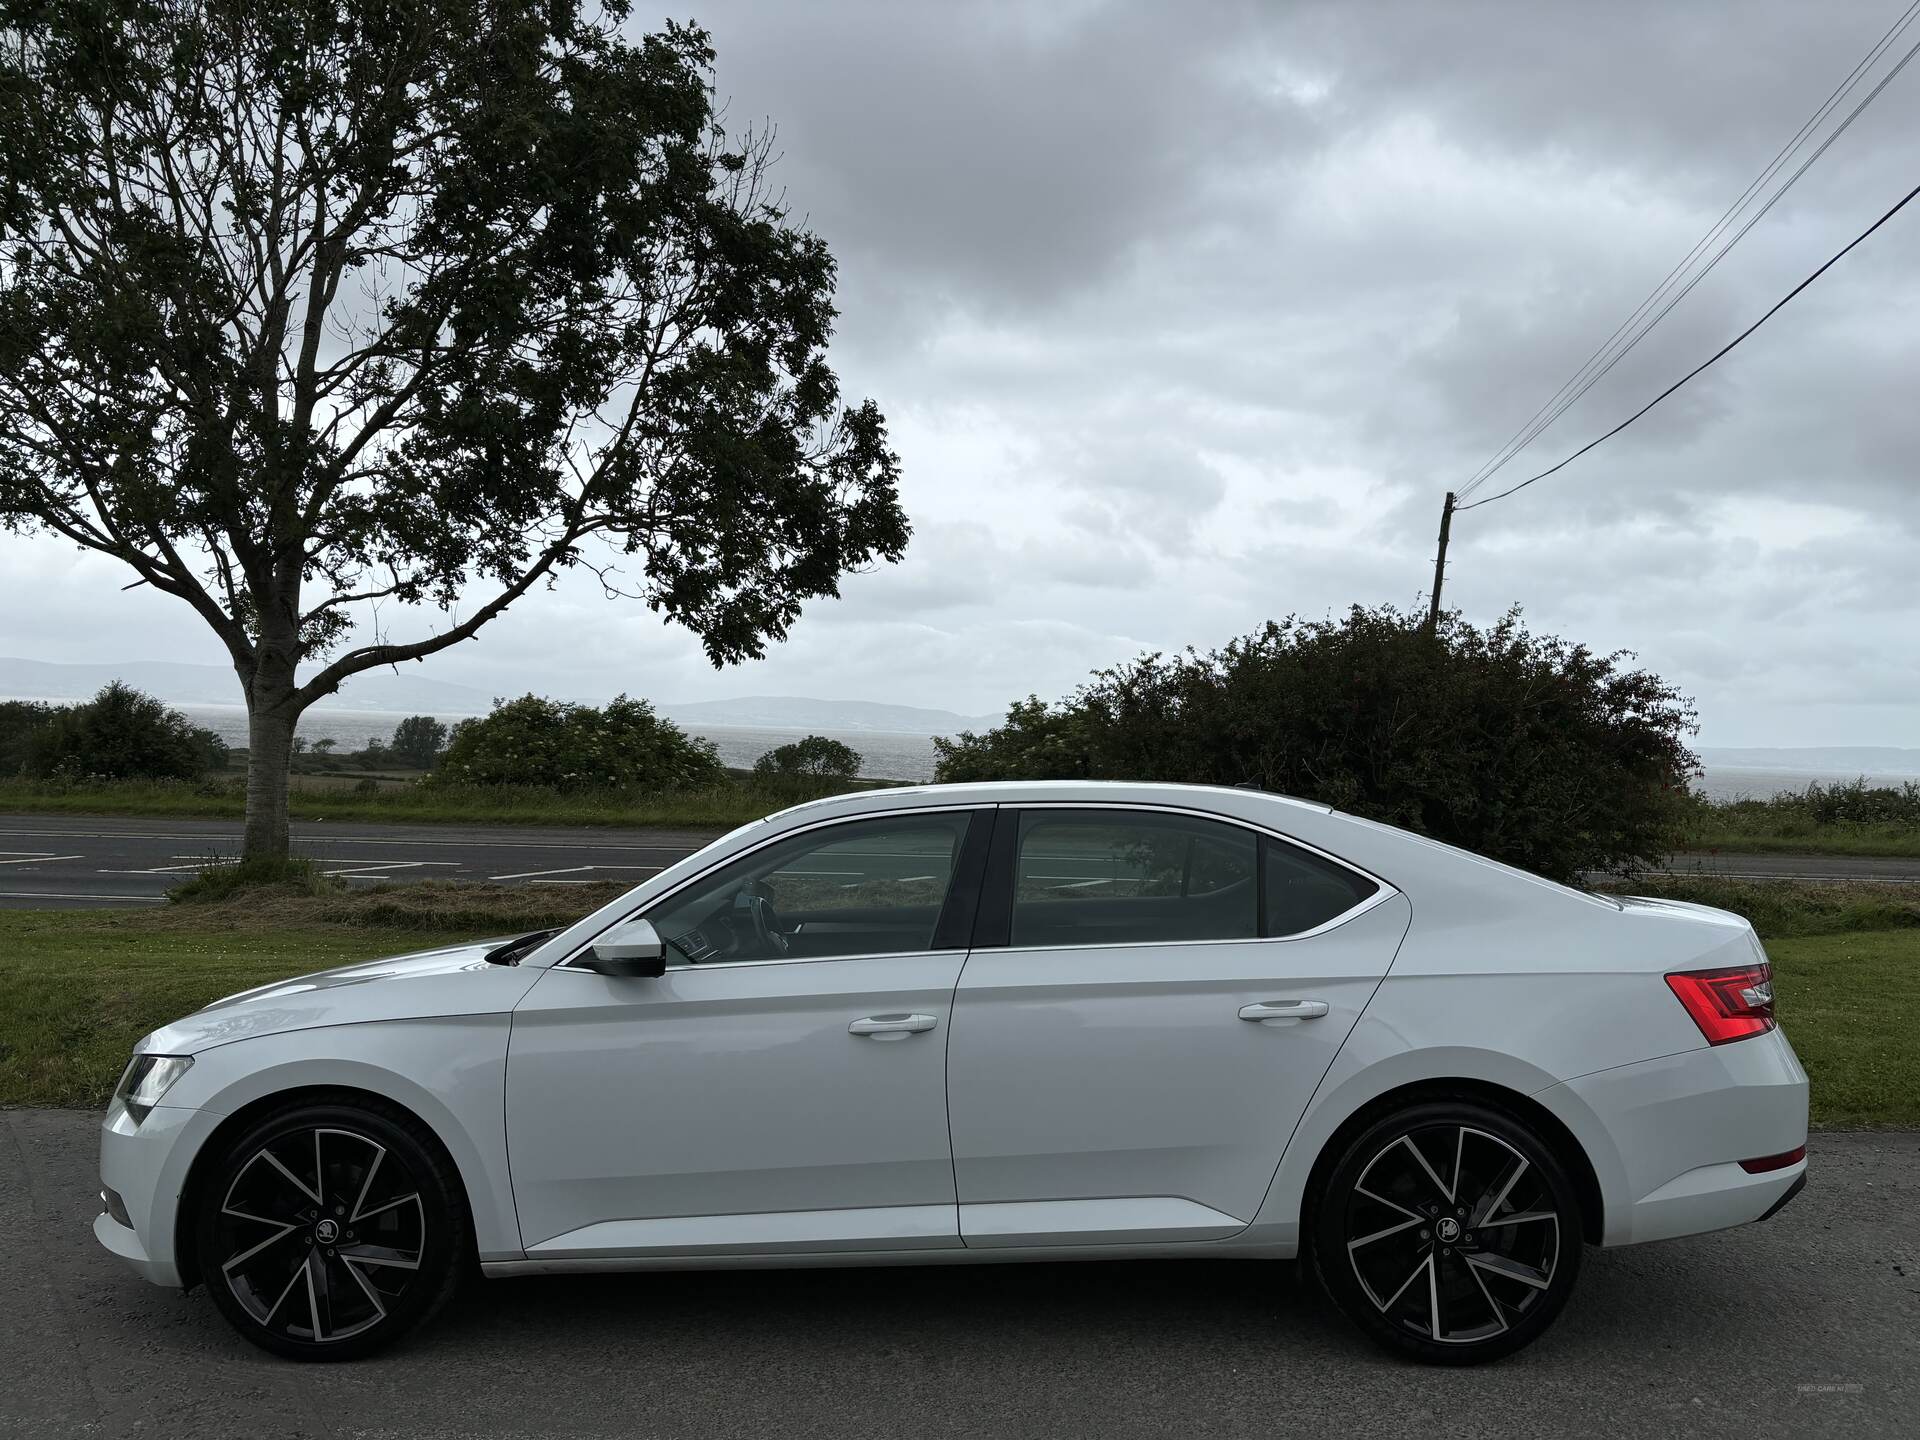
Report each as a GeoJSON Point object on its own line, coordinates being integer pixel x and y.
{"type": "Point", "coordinates": [329, 1230]}
{"type": "Point", "coordinates": [1448, 1231]}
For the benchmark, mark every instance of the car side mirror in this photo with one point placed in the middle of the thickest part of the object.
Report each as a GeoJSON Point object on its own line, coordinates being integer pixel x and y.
{"type": "Point", "coordinates": [632, 950]}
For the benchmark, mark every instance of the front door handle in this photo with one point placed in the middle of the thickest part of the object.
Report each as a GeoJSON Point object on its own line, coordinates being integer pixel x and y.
{"type": "Point", "coordinates": [892, 1027]}
{"type": "Point", "coordinates": [1284, 1010]}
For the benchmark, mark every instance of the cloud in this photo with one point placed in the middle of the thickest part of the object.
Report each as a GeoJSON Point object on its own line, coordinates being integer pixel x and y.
{"type": "Point", "coordinates": [1185, 317]}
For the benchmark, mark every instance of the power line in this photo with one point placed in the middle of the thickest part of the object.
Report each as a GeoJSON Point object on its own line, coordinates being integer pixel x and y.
{"type": "Point", "coordinates": [1587, 376]}
{"type": "Point", "coordinates": [1778, 305]}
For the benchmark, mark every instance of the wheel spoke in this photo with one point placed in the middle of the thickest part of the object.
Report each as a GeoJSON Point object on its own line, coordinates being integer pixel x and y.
{"type": "Point", "coordinates": [1493, 1305]}
{"type": "Point", "coordinates": [1388, 1303]}
{"type": "Point", "coordinates": [380, 1255]}
{"type": "Point", "coordinates": [1390, 1204]}
{"type": "Point", "coordinates": [1488, 1206]}
{"type": "Point", "coordinates": [1427, 1169]}
{"type": "Point", "coordinates": [246, 1255]}
{"type": "Point", "coordinates": [1433, 1296]}
{"type": "Point", "coordinates": [1509, 1268]}
{"type": "Point", "coordinates": [373, 1295]}
{"type": "Point", "coordinates": [1382, 1234]}
{"type": "Point", "coordinates": [379, 1154]}
{"type": "Point", "coordinates": [274, 1160]}
{"type": "Point", "coordinates": [316, 1287]}
{"type": "Point", "coordinates": [382, 1209]}
{"type": "Point", "coordinates": [1519, 1217]}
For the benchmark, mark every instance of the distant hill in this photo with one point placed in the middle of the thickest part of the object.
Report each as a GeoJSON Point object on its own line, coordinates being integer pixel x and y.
{"type": "Point", "coordinates": [1837, 759]}
{"type": "Point", "coordinates": [794, 712]}
{"type": "Point", "coordinates": [180, 684]}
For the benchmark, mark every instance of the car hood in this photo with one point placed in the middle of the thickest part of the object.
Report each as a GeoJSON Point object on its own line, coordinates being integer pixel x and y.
{"type": "Point", "coordinates": [453, 980]}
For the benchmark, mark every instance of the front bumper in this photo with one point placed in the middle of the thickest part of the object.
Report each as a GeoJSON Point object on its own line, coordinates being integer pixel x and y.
{"type": "Point", "coordinates": [1679, 1126]}
{"type": "Point", "coordinates": [147, 1165]}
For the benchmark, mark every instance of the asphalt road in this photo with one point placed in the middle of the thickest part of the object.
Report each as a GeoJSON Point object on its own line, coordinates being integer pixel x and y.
{"type": "Point", "coordinates": [96, 861]}
{"type": "Point", "coordinates": [1808, 1324]}
{"type": "Point", "coordinates": [85, 860]}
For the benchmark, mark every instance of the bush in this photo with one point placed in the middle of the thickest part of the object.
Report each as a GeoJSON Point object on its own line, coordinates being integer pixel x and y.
{"type": "Point", "coordinates": [815, 758]}
{"type": "Point", "coordinates": [1524, 748]}
{"type": "Point", "coordinates": [19, 721]}
{"type": "Point", "coordinates": [534, 741]}
{"type": "Point", "coordinates": [418, 741]}
{"type": "Point", "coordinates": [121, 734]}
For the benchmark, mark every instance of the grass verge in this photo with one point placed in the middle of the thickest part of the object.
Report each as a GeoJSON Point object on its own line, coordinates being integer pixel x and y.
{"type": "Point", "coordinates": [81, 985]}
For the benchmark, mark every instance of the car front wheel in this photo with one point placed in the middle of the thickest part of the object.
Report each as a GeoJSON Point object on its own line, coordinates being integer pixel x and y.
{"type": "Point", "coordinates": [327, 1231]}
{"type": "Point", "coordinates": [1448, 1231]}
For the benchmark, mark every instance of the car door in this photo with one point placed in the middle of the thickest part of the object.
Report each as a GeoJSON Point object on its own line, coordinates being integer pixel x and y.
{"type": "Point", "coordinates": [782, 1086]}
{"type": "Point", "coordinates": [1151, 1000]}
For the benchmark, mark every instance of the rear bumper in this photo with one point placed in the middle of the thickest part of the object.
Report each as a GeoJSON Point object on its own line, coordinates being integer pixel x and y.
{"type": "Point", "coordinates": [1667, 1136]}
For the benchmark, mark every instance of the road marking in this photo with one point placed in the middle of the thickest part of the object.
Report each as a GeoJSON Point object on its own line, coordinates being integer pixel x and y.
{"type": "Point", "coordinates": [75, 895]}
{"type": "Point", "coordinates": [35, 859]}
{"type": "Point", "coordinates": [529, 874]}
{"type": "Point", "coordinates": [661, 847]}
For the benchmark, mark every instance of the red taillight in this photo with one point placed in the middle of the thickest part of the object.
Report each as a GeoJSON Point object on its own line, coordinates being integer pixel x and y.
{"type": "Point", "coordinates": [1727, 1004]}
{"type": "Point", "coordinates": [1774, 1162]}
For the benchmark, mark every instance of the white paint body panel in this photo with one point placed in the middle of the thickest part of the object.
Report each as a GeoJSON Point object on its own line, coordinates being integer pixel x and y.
{"type": "Point", "coordinates": [1127, 1071]}
{"type": "Point", "coordinates": [730, 1090]}
{"type": "Point", "coordinates": [1102, 1102]}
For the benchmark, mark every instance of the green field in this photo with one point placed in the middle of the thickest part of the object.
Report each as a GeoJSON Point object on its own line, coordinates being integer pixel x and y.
{"type": "Point", "coordinates": [81, 986]}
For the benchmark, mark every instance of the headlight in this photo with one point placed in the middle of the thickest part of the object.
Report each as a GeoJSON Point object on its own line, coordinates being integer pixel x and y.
{"type": "Point", "coordinates": [148, 1078]}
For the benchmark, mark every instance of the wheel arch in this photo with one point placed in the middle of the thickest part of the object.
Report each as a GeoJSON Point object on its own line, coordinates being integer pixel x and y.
{"type": "Point", "coordinates": [238, 1121]}
{"type": "Point", "coordinates": [1552, 1130]}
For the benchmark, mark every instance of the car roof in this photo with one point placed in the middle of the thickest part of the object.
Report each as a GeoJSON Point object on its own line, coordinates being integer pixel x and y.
{"type": "Point", "coordinates": [1017, 792]}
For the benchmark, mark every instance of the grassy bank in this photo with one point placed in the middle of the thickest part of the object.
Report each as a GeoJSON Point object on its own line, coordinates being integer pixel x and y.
{"type": "Point", "coordinates": [81, 986]}
{"type": "Point", "coordinates": [720, 807]}
{"type": "Point", "coordinates": [1853, 818]}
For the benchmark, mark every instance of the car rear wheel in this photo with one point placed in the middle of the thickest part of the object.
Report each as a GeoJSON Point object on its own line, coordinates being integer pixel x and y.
{"type": "Point", "coordinates": [1448, 1231]}
{"type": "Point", "coordinates": [328, 1231]}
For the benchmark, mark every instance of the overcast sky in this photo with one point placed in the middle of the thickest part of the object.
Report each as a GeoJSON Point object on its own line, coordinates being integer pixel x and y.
{"type": "Point", "coordinates": [1185, 316]}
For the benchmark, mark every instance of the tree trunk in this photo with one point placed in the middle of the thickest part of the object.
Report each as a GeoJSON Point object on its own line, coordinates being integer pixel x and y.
{"type": "Point", "coordinates": [270, 720]}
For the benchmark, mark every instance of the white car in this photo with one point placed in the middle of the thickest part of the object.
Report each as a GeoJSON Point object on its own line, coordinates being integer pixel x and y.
{"type": "Point", "coordinates": [983, 1023]}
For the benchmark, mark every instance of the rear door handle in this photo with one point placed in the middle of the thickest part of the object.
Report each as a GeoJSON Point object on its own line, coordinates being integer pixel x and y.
{"type": "Point", "coordinates": [1284, 1010]}
{"type": "Point", "coordinates": [892, 1027]}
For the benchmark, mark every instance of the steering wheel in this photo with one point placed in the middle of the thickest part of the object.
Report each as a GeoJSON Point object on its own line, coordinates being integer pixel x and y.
{"type": "Point", "coordinates": [765, 919]}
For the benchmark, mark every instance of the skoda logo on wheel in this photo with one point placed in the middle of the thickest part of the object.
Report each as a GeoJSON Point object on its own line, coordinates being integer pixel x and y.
{"type": "Point", "coordinates": [1448, 1230]}
{"type": "Point", "coordinates": [326, 1232]}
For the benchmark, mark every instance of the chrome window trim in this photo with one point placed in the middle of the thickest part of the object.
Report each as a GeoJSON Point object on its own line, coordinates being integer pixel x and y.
{"type": "Point", "coordinates": [1385, 889]}
{"type": "Point", "coordinates": [566, 963]}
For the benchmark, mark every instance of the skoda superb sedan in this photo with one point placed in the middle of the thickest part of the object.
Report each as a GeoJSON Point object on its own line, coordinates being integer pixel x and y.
{"type": "Point", "coordinates": [982, 1023]}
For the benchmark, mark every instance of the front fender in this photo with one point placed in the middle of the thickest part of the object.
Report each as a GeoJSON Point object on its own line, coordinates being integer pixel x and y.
{"type": "Point", "coordinates": [454, 1081]}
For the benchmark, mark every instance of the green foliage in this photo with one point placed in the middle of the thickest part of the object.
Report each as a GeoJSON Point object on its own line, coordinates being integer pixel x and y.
{"type": "Point", "coordinates": [535, 741]}
{"type": "Point", "coordinates": [1780, 909]}
{"type": "Point", "coordinates": [439, 300]}
{"type": "Point", "coordinates": [19, 721]}
{"type": "Point", "coordinates": [815, 757]}
{"type": "Point", "coordinates": [120, 734]}
{"type": "Point", "coordinates": [418, 741]}
{"type": "Point", "coordinates": [220, 882]}
{"type": "Point", "coordinates": [1524, 748]}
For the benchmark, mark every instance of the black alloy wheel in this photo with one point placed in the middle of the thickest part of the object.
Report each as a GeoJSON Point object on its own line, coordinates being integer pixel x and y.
{"type": "Point", "coordinates": [1449, 1232]}
{"type": "Point", "coordinates": [328, 1231]}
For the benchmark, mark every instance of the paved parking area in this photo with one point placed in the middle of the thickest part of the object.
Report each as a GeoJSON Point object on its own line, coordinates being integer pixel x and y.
{"type": "Point", "coordinates": [1807, 1325]}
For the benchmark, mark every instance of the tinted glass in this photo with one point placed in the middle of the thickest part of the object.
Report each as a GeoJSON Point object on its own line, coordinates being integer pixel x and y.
{"type": "Point", "coordinates": [1104, 877]}
{"type": "Point", "coordinates": [1304, 891]}
{"type": "Point", "coordinates": [869, 887]}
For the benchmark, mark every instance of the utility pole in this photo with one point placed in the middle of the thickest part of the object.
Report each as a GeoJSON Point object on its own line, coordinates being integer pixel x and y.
{"type": "Point", "coordinates": [1440, 562]}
